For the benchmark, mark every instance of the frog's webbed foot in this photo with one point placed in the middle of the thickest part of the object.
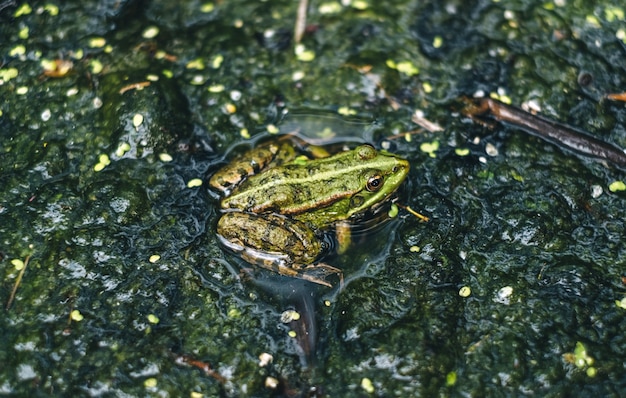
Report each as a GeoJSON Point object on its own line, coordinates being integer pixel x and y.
{"type": "Point", "coordinates": [317, 273]}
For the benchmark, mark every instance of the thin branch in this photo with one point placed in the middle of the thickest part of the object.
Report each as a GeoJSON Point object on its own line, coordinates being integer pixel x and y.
{"type": "Point", "coordinates": [17, 283]}
{"type": "Point", "coordinates": [300, 27]}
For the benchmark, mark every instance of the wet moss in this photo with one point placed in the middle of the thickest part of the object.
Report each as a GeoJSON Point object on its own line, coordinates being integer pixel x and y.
{"type": "Point", "coordinates": [531, 229]}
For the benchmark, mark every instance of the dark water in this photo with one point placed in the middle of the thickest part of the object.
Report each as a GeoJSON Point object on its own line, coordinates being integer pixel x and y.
{"type": "Point", "coordinates": [89, 198]}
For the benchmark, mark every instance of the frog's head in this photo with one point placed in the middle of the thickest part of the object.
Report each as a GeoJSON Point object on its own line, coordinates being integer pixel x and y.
{"type": "Point", "coordinates": [380, 176]}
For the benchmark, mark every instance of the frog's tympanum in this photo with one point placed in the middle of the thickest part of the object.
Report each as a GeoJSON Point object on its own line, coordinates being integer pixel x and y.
{"type": "Point", "coordinates": [277, 206]}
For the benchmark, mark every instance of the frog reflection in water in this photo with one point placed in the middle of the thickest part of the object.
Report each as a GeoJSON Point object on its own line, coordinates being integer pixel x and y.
{"type": "Point", "coordinates": [277, 205]}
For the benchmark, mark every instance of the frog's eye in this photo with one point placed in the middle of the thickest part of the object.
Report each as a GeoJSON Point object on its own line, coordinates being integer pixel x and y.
{"type": "Point", "coordinates": [374, 183]}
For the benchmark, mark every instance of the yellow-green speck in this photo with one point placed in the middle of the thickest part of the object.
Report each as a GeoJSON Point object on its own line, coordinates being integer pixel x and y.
{"type": "Point", "coordinates": [21, 90]}
{"type": "Point", "coordinates": [154, 258]}
{"type": "Point", "coordinates": [234, 313]}
{"type": "Point", "coordinates": [393, 211]}
{"type": "Point", "coordinates": [462, 151]}
{"type": "Point", "coordinates": [289, 315]}
{"type": "Point", "coordinates": [230, 108]}
{"type": "Point", "coordinates": [97, 42]}
{"type": "Point", "coordinates": [581, 359]}
{"type": "Point", "coordinates": [360, 5]}
{"type": "Point", "coordinates": [165, 157]}
{"type": "Point", "coordinates": [24, 9]}
{"type": "Point", "coordinates": [593, 21]}
{"type": "Point", "coordinates": [345, 111]}
{"type": "Point", "coordinates": [153, 319]}
{"type": "Point", "coordinates": [196, 182]}
{"type": "Point", "coordinates": [23, 33]}
{"type": "Point", "coordinates": [620, 303]}
{"type": "Point", "coordinates": [18, 264]}
{"type": "Point", "coordinates": [437, 41]}
{"type": "Point", "coordinates": [103, 161]}
{"type": "Point", "coordinates": [501, 97]}
{"type": "Point", "coordinates": [150, 383]}
{"type": "Point", "coordinates": [329, 8]}
{"type": "Point", "coordinates": [217, 61]}
{"type": "Point", "coordinates": [76, 316]}
{"type": "Point", "coordinates": [17, 51]}
{"type": "Point", "coordinates": [304, 55]}
{"type": "Point", "coordinates": [427, 87]}
{"type": "Point", "coordinates": [414, 249]}
{"type": "Point", "coordinates": [207, 7]}
{"type": "Point", "coordinates": [150, 33]}
{"type": "Point", "coordinates": [430, 148]}
{"type": "Point", "coordinates": [216, 88]}
{"type": "Point", "coordinates": [197, 63]}
{"type": "Point", "coordinates": [272, 129]}
{"type": "Point", "coordinates": [122, 149]}
{"type": "Point", "coordinates": [78, 54]}
{"type": "Point", "coordinates": [407, 68]}
{"type": "Point", "coordinates": [8, 74]}
{"type": "Point", "coordinates": [451, 379]}
{"type": "Point", "coordinates": [137, 120]}
{"type": "Point", "coordinates": [244, 133]}
{"type": "Point", "coordinates": [96, 66]}
{"type": "Point", "coordinates": [292, 334]}
{"type": "Point", "coordinates": [104, 158]}
{"type": "Point", "coordinates": [617, 186]}
{"type": "Point", "coordinates": [367, 385]}
{"type": "Point", "coordinates": [621, 35]}
{"type": "Point", "coordinates": [465, 291]}
{"type": "Point", "coordinates": [52, 9]}
{"type": "Point", "coordinates": [614, 13]}
{"type": "Point", "coordinates": [298, 75]}
{"type": "Point", "coordinates": [517, 176]}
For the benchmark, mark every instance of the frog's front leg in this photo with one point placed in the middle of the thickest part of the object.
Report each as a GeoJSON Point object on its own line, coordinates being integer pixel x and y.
{"type": "Point", "coordinates": [275, 242]}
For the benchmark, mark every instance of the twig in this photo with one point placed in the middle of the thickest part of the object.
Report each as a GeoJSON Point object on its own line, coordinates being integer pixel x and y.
{"type": "Point", "coordinates": [419, 216]}
{"type": "Point", "coordinates": [300, 27]}
{"type": "Point", "coordinates": [617, 97]}
{"type": "Point", "coordinates": [17, 283]}
{"type": "Point", "coordinates": [204, 366]}
{"type": "Point", "coordinates": [134, 86]}
{"type": "Point", "coordinates": [546, 129]}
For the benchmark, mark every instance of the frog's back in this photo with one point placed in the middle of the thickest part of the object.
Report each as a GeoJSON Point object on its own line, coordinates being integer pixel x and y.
{"type": "Point", "coordinates": [292, 189]}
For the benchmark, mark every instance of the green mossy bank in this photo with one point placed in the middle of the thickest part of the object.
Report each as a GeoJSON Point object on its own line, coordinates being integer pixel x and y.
{"type": "Point", "coordinates": [125, 285]}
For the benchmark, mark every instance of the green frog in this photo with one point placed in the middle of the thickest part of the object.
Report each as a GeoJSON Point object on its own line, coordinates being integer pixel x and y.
{"type": "Point", "coordinates": [278, 206]}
